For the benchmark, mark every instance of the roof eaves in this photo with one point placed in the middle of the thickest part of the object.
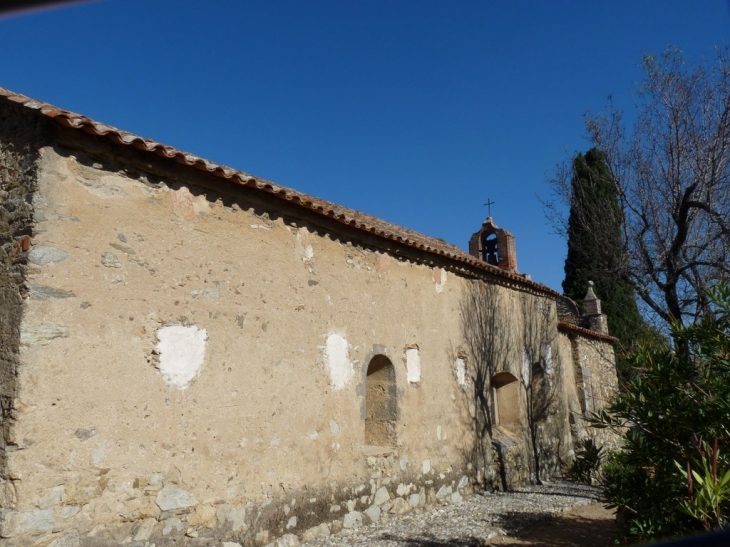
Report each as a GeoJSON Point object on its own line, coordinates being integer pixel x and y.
{"type": "Point", "coordinates": [344, 215]}
{"type": "Point", "coordinates": [570, 327]}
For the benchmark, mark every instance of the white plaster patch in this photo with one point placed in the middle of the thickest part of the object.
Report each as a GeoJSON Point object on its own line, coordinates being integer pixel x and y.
{"type": "Point", "coordinates": [439, 278]}
{"type": "Point", "coordinates": [304, 244]}
{"type": "Point", "coordinates": [337, 363]}
{"type": "Point", "coordinates": [547, 355]}
{"type": "Point", "coordinates": [182, 352]}
{"type": "Point", "coordinates": [460, 371]}
{"type": "Point", "coordinates": [413, 365]}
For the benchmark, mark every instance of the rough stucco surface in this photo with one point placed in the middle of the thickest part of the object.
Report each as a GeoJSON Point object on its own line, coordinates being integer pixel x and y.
{"type": "Point", "coordinates": [17, 185]}
{"type": "Point", "coordinates": [261, 425]}
{"type": "Point", "coordinates": [601, 383]}
{"type": "Point", "coordinates": [256, 426]}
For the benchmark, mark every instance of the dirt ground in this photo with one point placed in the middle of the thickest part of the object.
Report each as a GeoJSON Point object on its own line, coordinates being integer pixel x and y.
{"type": "Point", "coordinates": [588, 525]}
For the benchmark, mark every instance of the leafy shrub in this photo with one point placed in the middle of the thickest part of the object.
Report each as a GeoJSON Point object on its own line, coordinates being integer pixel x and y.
{"type": "Point", "coordinates": [708, 486]}
{"type": "Point", "coordinates": [678, 395]}
{"type": "Point", "coordinates": [587, 464]}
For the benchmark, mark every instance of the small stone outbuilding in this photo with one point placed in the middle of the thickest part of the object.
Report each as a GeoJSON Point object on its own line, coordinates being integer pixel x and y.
{"type": "Point", "coordinates": [190, 354]}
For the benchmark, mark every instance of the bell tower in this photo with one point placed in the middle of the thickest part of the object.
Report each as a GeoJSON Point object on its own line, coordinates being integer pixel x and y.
{"type": "Point", "coordinates": [495, 246]}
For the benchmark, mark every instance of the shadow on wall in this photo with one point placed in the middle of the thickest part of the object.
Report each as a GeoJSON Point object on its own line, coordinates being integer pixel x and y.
{"type": "Point", "coordinates": [516, 413]}
{"type": "Point", "coordinates": [541, 381]}
{"type": "Point", "coordinates": [483, 329]}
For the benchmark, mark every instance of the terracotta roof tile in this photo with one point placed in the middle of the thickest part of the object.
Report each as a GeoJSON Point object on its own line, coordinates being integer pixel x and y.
{"type": "Point", "coordinates": [344, 215]}
{"type": "Point", "coordinates": [570, 327]}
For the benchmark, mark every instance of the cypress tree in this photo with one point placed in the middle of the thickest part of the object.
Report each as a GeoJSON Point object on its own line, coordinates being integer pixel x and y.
{"type": "Point", "coordinates": [595, 211]}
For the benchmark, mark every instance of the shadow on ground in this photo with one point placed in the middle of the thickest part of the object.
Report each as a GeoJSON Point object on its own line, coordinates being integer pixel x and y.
{"type": "Point", "coordinates": [544, 530]}
{"type": "Point", "coordinates": [563, 531]}
{"type": "Point", "coordinates": [432, 541]}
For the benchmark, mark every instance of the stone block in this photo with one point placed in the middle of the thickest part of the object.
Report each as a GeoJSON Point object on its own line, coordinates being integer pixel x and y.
{"type": "Point", "coordinates": [16, 523]}
{"type": "Point", "coordinates": [203, 515]}
{"type": "Point", "coordinates": [68, 511]}
{"type": "Point", "coordinates": [414, 500]}
{"type": "Point", "coordinates": [110, 260]}
{"type": "Point", "coordinates": [353, 519]}
{"type": "Point", "coordinates": [444, 492]}
{"type": "Point", "coordinates": [233, 515]}
{"type": "Point", "coordinates": [142, 530]}
{"type": "Point", "coordinates": [43, 292]}
{"type": "Point", "coordinates": [45, 255]}
{"type": "Point", "coordinates": [172, 497]}
{"type": "Point", "coordinates": [66, 540]}
{"type": "Point", "coordinates": [373, 513]}
{"type": "Point", "coordinates": [400, 506]}
{"type": "Point", "coordinates": [171, 525]}
{"type": "Point", "coordinates": [316, 532]}
{"type": "Point", "coordinates": [52, 498]}
{"type": "Point", "coordinates": [41, 335]}
{"type": "Point", "coordinates": [288, 540]}
{"type": "Point", "coordinates": [381, 496]}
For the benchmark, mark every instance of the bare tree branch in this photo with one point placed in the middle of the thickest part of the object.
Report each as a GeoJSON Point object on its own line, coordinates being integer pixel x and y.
{"type": "Point", "coordinates": [671, 170]}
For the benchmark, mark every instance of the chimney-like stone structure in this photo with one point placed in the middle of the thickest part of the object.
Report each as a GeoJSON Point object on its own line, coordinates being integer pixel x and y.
{"type": "Point", "coordinates": [495, 246]}
{"type": "Point", "coordinates": [596, 321]}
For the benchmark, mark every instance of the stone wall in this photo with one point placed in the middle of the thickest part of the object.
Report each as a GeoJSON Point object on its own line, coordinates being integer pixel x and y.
{"type": "Point", "coordinates": [515, 334]}
{"type": "Point", "coordinates": [198, 367]}
{"type": "Point", "coordinates": [194, 360]}
{"type": "Point", "coordinates": [17, 183]}
{"type": "Point", "coordinates": [592, 361]}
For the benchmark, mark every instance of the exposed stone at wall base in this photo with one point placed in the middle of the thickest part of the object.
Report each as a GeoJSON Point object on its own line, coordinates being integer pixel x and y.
{"type": "Point", "coordinates": [164, 512]}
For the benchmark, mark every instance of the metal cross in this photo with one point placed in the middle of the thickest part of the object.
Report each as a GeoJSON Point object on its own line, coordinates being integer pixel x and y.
{"type": "Point", "coordinates": [489, 204]}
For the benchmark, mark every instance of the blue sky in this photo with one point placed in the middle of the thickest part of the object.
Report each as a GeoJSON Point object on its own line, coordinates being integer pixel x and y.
{"type": "Point", "coordinates": [414, 111]}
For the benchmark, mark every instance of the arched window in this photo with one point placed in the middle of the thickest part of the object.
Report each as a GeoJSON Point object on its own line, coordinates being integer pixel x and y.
{"type": "Point", "coordinates": [380, 402]}
{"type": "Point", "coordinates": [505, 390]}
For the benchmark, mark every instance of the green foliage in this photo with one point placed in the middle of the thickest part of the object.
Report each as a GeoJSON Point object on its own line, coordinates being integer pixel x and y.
{"type": "Point", "coordinates": [587, 463]}
{"type": "Point", "coordinates": [677, 396]}
{"type": "Point", "coordinates": [708, 488]}
{"type": "Point", "coordinates": [596, 250]}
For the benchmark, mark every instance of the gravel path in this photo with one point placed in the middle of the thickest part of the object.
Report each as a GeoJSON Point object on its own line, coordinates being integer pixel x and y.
{"type": "Point", "coordinates": [471, 523]}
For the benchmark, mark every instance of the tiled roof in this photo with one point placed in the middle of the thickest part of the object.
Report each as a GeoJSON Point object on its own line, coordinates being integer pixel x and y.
{"type": "Point", "coordinates": [570, 327]}
{"type": "Point", "coordinates": [344, 215]}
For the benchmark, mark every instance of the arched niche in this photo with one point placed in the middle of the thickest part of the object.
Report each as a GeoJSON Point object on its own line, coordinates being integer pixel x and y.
{"type": "Point", "coordinates": [381, 409]}
{"type": "Point", "coordinates": [506, 392]}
